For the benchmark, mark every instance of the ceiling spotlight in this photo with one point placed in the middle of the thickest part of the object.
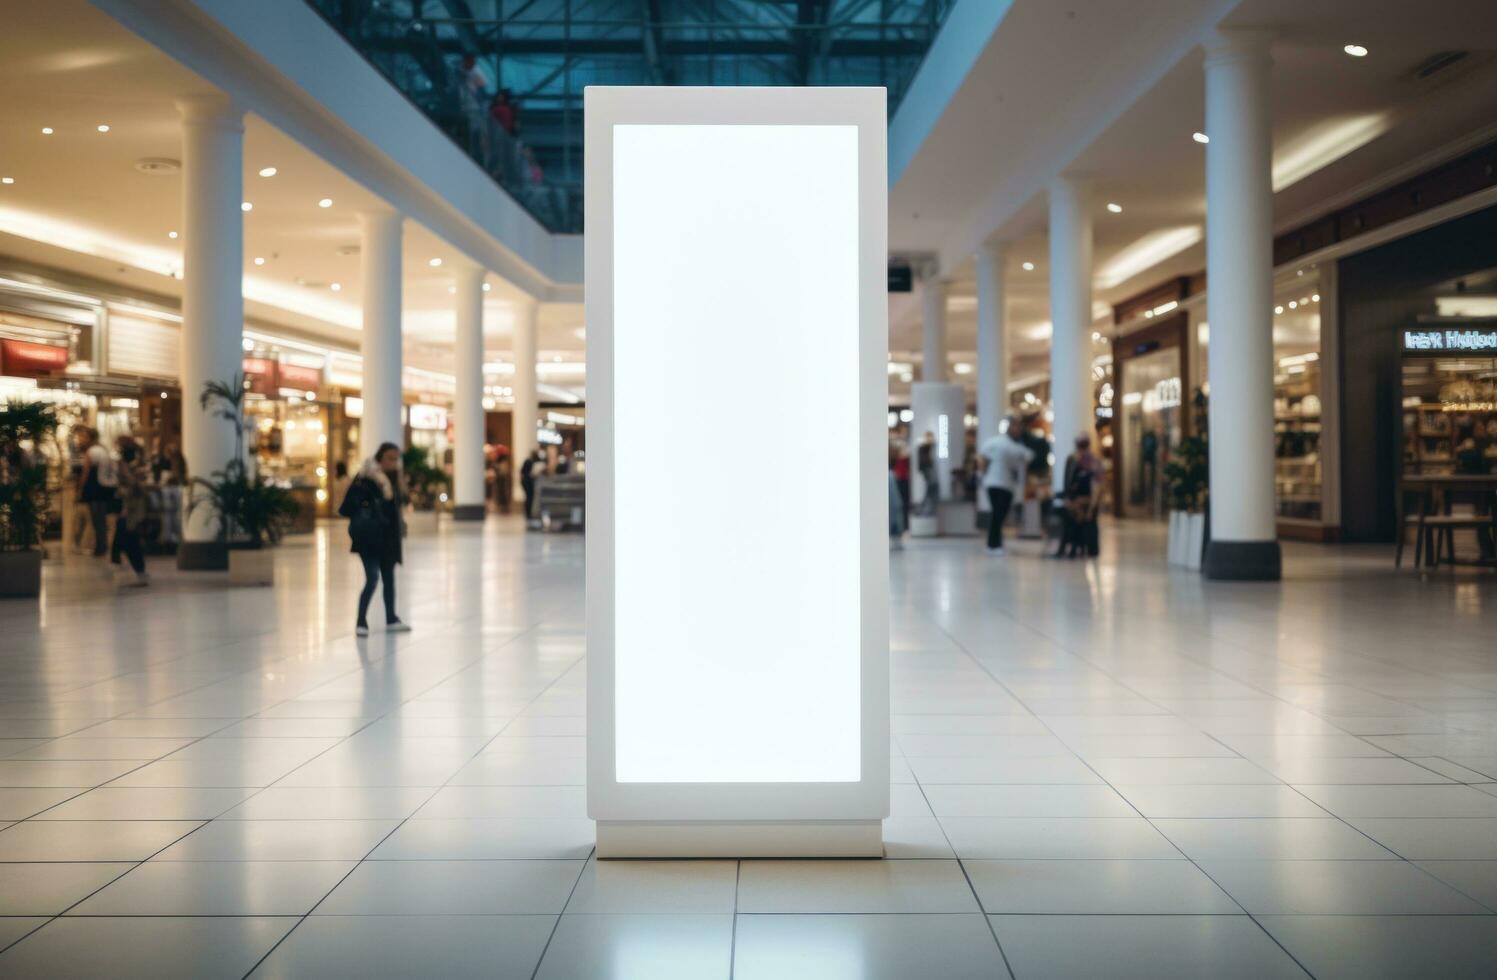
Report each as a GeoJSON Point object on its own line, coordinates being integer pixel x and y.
{"type": "Point", "coordinates": [326, 202]}
{"type": "Point", "coordinates": [1200, 137]}
{"type": "Point", "coordinates": [1114, 208]}
{"type": "Point", "coordinates": [259, 260]}
{"type": "Point", "coordinates": [434, 263]}
{"type": "Point", "coordinates": [1355, 50]}
{"type": "Point", "coordinates": [1315, 297]}
{"type": "Point", "coordinates": [336, 287]}
{"type": "Point", "coordinates": [487, 287]}
{"type": "Point", "coordinates": [1292, 304]}
{"type": "Point", "coordinates": [267, 171]}
{"type": "Point", "coordinates": [1027, 266]}
{"type": "Point", "coordinates": [102, 129]}
{"type": "Point", "coordinates": [46, 130]}
{"type": "Point", "coordinates": [246, 206]}
{"type": "Point", "coordinates": [7, 180]}
{"type": "Point", "coordinates": [171, 234]}
{"type": "Point", "coordinates": [1278, 309]}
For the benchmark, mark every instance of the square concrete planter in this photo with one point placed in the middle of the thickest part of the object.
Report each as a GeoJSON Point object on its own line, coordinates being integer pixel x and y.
{"type": "Point", "coordinates": [21, 573]}
{"type": "Point", "coordinates": [252, 566]}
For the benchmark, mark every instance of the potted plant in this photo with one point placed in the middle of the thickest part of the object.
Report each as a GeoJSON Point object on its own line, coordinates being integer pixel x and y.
{"type": "Point", "coordinates": [1187, 476]}
{"type": "Point", "coordinates": [23, 495]}
{"type": "Point", "coordinates": [251, 512]}
{"type": "Point", "coordinates": [425, 482]}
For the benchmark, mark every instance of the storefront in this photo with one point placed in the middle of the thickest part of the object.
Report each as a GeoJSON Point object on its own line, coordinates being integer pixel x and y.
{"type": "Point", "coordinates": [1449, 396]}
{"type": "Point", "coordinates": [1151, 372]}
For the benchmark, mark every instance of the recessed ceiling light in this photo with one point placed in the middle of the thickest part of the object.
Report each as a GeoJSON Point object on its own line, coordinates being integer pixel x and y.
{"type": "Point", "coordinates": [487, 287]}
{"type": "Point", "coordinates": [1355, 50]}
{"type": "Point", "coordinates": [1200, 137]}
{"type": "Point", "coordinates": [1315, 298]}
{"type": "Point", "coordinates": [102, 129]}
{"type": "Point", "coordinates": [267, 171]}
{"type": "Point", "coordinates": [171, 234]}
{"type": "Point", "coordinates": [7, 180]}
{"type": "Point", "coordinates": [1292, 304]}
{"type": "Point", "coordinates": [1027, 266]}
{"type": "Point", "coordinates": [1114, 208]}
{"type": "Point", "coordinates": [336, 287]}
{"type": "Point", "coordinates": [452, 289]}
{"type": "Point", "coordinates": [326, 202]}
{"type": "Point", "coordinates": [1278, 309]}
{"type": "Point", "coordinates": [434, 263]}
{"type": "Point", "coordinates": [46, 130]}
{"type": "Point", "coordinates": [259, 260]}
{"type": "Point", "coordinates": [246, 206]}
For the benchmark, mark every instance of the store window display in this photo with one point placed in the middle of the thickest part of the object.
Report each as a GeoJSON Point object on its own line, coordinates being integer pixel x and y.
{"type": "Point", "coordinates": [1298, 467]}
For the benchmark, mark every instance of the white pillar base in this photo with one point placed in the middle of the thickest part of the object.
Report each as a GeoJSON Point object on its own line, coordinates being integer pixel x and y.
{"type": "Point", "coordinates": [740, 839]}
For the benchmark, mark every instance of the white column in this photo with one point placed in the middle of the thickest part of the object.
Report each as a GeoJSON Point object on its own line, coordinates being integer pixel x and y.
{"type": "Point", "coordinates": [933, 327]}
{"type": "Point", "coordinates": [212, 297]}
{"type": "Point", "coordinates": [380, 343]}
{"type": "Point", "coordinates": [468, 499]}
{"type": "Point", "coordinates": [992, 346]}
{"type": "Point", "coordinates": [1070, 315]}
{"type": "Point", "coordinates": [526, 409]}
{"type": "Point", "coordinates": [1239, 302]}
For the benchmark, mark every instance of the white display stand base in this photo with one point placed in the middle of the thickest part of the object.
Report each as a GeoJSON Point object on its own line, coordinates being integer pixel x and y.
{"type": "Point", "coordinates": [745, 839]}
{"type": "Point", "coordinates": [925, 526]}
{"type": "Point", "coordinates": [1031, 521]}
{"type": "Point", "coordinates": [958, 518]}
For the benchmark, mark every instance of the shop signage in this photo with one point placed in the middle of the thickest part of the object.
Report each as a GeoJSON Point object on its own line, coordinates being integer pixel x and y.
{"type": "Point", "coordinates": [428, 417]}
{"type": "Point", "coordinates": [1464, 340]}
{"type": "Point", "coordinates": [301, 378]}
{"type": "Point", "coordinates": [260, 375]}
{"type": "Point", "coordinates": [25, 359]}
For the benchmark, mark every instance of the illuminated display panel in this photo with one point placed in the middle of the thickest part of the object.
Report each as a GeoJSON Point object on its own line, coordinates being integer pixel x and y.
{"type": "Point", "coordinates": [736, 454]}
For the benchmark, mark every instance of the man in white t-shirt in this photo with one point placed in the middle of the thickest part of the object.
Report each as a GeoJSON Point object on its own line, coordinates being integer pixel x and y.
{"type": "Point", "coordinates": [96, 487]}
{"type": "Point", "coordinates": [1006, 460]}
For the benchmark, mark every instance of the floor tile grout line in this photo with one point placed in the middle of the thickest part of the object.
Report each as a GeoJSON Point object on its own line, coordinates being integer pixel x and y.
{"type": "Point", "coordinates": [966, 875]}
{"type": "Point", "coordinates": [435, 790]}
{"type": "Point", "coordinates": [959, 645]}
{"type": "Point", "coordinates": [556, 926]}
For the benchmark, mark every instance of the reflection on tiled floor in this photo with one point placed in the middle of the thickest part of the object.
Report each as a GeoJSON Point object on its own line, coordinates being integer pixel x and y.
{"type": "Point", "coordinates": [1100, 769]}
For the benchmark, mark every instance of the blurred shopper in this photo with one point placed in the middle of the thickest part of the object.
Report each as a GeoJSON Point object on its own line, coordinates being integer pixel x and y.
{"type": "Point", "coordinates": [1005, 460]}
{"type": "Point", "coordinates": [1081, 498]}
{"type": "Point", "coordinates": [132, 477]}
{"type": "Point", "coordinates": [502, 111]}
{"type": "Point", "coordinates": [504, 471]}
{"type": "Point", "coordinates": [375, 526]}
{"type": "Point", "coordinates": [169, 470]}
{"type": "Point", "coordinates": [96, 487]}
{"type": "Point", "coordinates": [340, 482]}
{"type": "Point", "coordinates": [902, 480]}
{"type": "Point", "coordinates": [925, 462]}
{"type": "Point", "coordinates": [1471, 459]}
{"type": "Point", "coordinates": [896, 515]}
{"type": "Point", "coordinates": [528, 475]}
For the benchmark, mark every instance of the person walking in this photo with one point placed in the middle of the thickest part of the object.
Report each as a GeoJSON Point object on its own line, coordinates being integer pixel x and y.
{"type": "Point", "coordinates": [96, 487]}
{"type": "Point", "coordinates": [527, 481]}
{"type": "Point", "coordinates": [1081, 496]}
{"type": "Point", "coordinates": [1004, 459]}
{"type": "Point", "coordinates": [132, 476]}
{"type": "Point", "coordinates": [375, 527]}
{"type": "Point", "coordinates": [925, 462]}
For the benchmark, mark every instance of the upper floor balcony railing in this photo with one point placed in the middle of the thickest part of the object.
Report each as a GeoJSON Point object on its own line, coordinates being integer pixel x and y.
{"type": "Point", "coordinates": [504, 78]}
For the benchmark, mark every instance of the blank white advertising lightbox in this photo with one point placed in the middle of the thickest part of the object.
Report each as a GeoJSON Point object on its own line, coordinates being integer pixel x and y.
{"type": "Point", "coordinates": [737, 499]}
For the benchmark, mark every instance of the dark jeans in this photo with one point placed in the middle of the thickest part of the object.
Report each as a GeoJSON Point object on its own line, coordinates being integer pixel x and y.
{"type": "Point", "coordinates": [527, 484]}
{"type": "Point", "coordinates": [904, 498]}
{"type": "Point", "coordinates": [127, 542]}
{"type": "Point", "coordinates": [999, 500]}
{"type": "Point", "coordinates": [98, 514]}
{"type": "Point", "coordinates": [374, 570]}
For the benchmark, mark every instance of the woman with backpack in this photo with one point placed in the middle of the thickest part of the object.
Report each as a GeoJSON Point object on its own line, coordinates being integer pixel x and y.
{"type": "Point", "coordinates": [373, 508]}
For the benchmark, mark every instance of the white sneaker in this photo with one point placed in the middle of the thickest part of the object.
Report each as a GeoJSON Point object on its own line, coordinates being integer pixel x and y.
{"type": "Point", "coordinates": [398, 627]}
{"type": "Point", "coordinates": [361, 631]}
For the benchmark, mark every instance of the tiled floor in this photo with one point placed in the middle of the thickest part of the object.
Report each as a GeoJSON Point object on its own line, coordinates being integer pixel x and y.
{"type": "Point", "coordinates": [1103, 769]}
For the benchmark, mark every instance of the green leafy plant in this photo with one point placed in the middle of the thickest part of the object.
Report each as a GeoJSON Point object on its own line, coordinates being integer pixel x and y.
{"type": "Point", "coordinates": [1187, 475]}
{"type": "Point", "coordinates": [249, 509]}
{"type": "Point", "coordinates": [23, 473]}
{"type": "Point", "coordinates": [426, 482]}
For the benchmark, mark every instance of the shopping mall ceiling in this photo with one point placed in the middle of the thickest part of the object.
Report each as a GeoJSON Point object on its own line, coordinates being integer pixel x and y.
{"type": "Point", "coordinates": [106, 203]}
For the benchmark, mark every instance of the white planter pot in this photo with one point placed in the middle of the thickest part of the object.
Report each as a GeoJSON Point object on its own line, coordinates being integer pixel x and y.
{"type": "Point", "coordinates": [1175, 551]}
{"type": "Point", "coordinates": [1195, 540]}
{"type": "Point", "coordinates": [252, 567]}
